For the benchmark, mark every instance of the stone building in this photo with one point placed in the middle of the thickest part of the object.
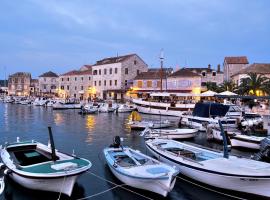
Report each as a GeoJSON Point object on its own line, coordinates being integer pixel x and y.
{"type": "Point", "coordinates": [147, 82]}
{"type": "Point", "coordinates": [181, 81]}
{"type": "Point", "coordinates": [48, 84]}
{"type": "Point", "coordinates": [76, 84]}
{"type": "Point", "coordinates": [113, 76]}
{"type": "Point", "coordinates": [258, 68]}
{"type": "Point", "coordinates": [208, 74]}
{"type": "Point", "coordinates": [184, 81]}
{"type": "Point", "coordinates": [19, 84]}
{"type": "Point", "coordinates": [232, 65]}
{"type": "Point", "coordinates": [34, 87]}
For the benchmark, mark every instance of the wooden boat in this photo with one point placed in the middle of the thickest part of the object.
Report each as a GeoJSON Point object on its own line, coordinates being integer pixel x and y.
{"type": "Point", "coordinates": [209, 167]}
{"type": "Point", "coordinates": [136, 122]}
{"type": "Point", "coordinates": [169, 133]}
{"type": "Point", "coordinates": [40, 167]}
{"type": "Point", "coordinates": [140, 171]}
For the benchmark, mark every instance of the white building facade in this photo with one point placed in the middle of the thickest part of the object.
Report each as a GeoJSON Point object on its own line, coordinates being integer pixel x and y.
{"type": "Point", "coordinates": [48, 84]}
{"type": "Point", "coordinates": [113, 76]}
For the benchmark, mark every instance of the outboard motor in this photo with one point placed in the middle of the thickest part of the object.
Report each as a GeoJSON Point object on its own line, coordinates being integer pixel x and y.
{"type": "Point", "coordinates": [116, 142]}
{"type": "Point", "coordinates": [264, 153]}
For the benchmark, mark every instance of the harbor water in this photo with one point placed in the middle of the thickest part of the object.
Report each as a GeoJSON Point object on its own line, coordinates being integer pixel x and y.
{"type": "Point", "coordinates": [87, 136]}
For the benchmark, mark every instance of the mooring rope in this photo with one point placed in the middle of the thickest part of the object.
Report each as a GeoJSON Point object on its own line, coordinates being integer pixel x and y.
{"type": "Point", "coordinates": [60, 193]}
{"type": "Point", "coordinates": [119, 185]}
{"type": "Point", "coordinates": [99, 193]}
{"type": "Point", "coordinates": [209, 189]}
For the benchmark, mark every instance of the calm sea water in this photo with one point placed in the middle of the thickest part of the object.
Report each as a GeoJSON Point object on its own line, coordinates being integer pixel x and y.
{"type": "Point", "coordinates": [87, 136]}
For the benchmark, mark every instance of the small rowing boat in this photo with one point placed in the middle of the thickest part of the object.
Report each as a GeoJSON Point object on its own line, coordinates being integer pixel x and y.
{"type": "Point", "coordinates": [138, 170]}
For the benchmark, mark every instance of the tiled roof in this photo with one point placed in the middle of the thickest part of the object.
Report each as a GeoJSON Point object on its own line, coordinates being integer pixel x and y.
{"type": "Point", "coordinates": [88, 67]}
{"type": "Point", "coordinates": [184, 72]}
{"type": "Point", "coordinates": [259, 68]}
{"type": "Point", "coordinates": [149, 75]}
{"type": "Point", "coordinates": [21, 74]}
{"type": "Point", "coordinates": [49, 74]}
{"type": "Point", "coordinates": [117, 59]}
{"type": "Point", "coordinates": [77, 72]}
{"type": "Point", "coordinates": [236, 60]}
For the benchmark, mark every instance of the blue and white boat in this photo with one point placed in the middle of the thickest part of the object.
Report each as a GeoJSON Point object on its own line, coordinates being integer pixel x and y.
{"type": "Point", "coordinates": [40, 167]}
{"type": "Point", "coordinates": [140, 171]}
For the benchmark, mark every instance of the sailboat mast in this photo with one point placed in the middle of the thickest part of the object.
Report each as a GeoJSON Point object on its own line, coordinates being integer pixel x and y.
{"type": "Point", "coordinates": [161, 68]}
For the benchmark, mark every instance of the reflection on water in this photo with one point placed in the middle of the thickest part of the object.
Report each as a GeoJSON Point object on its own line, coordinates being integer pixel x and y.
{"type": "Point", "coordinates": [90, 125]}
{"type": "Point", "coordinates": [58, 118]}
{"type": "Point", "coordinates": [87, 135]}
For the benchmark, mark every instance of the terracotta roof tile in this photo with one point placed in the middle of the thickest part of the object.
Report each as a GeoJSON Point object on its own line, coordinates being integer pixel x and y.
{"type": "Point", "coordinates": [77, 72]}
{"type": "Point", "coordinates": [49, 74]}
{"type": "Point", "coordinates": [149, 75]}
{"type": "Point", "coordinates": [116, 59]}
{"type": "Point", "coordinates": [236, 60]}
{"type": "Point", "coordinates": [184, 72]}
{"type": "Point", "coordinates": [259, 68]}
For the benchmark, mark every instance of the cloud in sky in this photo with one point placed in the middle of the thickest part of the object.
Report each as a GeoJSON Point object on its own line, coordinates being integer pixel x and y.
{"type": "Point", "coordinates": [37, 35]}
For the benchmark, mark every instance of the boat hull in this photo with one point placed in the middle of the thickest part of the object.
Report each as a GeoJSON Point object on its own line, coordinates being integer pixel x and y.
{"type": "Point", "coordinates": [155, 111]}
{"type": "Point", "coordinates": [251, 185]}
{"type": "Point", "coordinates": [245, 144]}
{"type": "Point", "coordinates": [60, 184]}
{"type": "Point", "coordinates": [163, 188]}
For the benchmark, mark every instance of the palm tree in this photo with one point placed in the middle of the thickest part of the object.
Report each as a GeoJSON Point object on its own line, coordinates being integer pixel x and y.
{"type": "Point", "coordinates": [255, 84]}
{"type": "Point", "coordinates": [228, 86]}
{"type": "Point", "coordinates": [212, 86]}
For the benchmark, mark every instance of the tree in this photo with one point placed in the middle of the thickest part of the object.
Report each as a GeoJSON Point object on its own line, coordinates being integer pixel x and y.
{"type": "Point", "coordinates": [228, 86]}
{"type": "Point", "coordinates": [255, 84]}
{"type": "Point", "coordinates": [212, 86]}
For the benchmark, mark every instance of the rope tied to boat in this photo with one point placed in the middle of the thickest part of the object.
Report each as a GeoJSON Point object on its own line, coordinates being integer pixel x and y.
{"type": "Point", "coordinates": [60, 193]}
{"type": "Point", "coordinates": [120, 186]}
{"type": "Point", "coordinates": [100, 193]}
{"type": "Point", "coordinates": [209, 189]}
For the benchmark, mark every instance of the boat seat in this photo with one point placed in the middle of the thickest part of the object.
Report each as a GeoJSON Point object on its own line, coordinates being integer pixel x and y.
{"type": "Point", "coordinates": [124, 161]}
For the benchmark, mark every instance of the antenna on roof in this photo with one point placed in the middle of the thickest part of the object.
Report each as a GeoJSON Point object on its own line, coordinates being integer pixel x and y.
{"type": "Point", "coordinates": [117, 54]}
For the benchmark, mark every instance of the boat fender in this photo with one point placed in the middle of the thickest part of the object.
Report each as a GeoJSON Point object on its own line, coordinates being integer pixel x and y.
{"type": "Point", "coordinates": [7, 171]}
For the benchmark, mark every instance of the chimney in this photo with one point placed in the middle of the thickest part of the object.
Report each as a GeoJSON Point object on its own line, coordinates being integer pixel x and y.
{"type": "Point", "coordinates": [218, 68]}
{"type": "Point", "coordinates": [209, 66]}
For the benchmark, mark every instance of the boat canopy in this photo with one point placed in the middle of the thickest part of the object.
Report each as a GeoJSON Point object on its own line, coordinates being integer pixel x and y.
{"type": "Point", "coordinates": [210, 110]}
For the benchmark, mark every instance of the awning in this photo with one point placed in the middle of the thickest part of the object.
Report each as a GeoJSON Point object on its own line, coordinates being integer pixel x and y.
{"type": "Point", "coordinates": [81, 92]}
{"type": "Point", "coordinates": [227, 93]}
{"type": "Point", "coordinates": [208, 93]}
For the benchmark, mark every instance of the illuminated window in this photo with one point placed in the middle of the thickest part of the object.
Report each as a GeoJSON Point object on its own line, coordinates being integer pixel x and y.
{"type": "Point", "coordinates": [149, 84]}
{"type": "Point", "coordinates": [140, 83]}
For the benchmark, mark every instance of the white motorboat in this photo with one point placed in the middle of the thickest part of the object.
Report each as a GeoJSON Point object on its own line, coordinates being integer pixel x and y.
{"type": "Point", "coordinates": [156, 107]}
{"type": "Point", "coordinates": [40, 101]}
{"type": "Point", "coordinates": [236, 138]}
{"type": "Point", "coordinates": [210, 113]}
{"type": "Point", "coordinates": [64, 106]}
{"type": "Point", "coordinates": [212, 168]}
{"type": "Point", "coordinates": [182, 133]}
{"type": "Point", "coordinates": [246, 141]}
{"type": "Point", "coordinates": [107, 107]}
{"type": "Point", "coordinates": [25, 101]}
{"type": "Point", "coordinates": [88, 109]}
{"type": "Point", "coordinates": [138, 170]}
{"type": "Point", "coordinates": [50, 103]}
{"type": "Point", "coordinates": [40, 167]}
{"type": "Point", "coordinates": [139, 125]}
{"type": "Point", "coordinates": [125, 108]}
{"type": "Point", "coordinates": [136, 122]}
